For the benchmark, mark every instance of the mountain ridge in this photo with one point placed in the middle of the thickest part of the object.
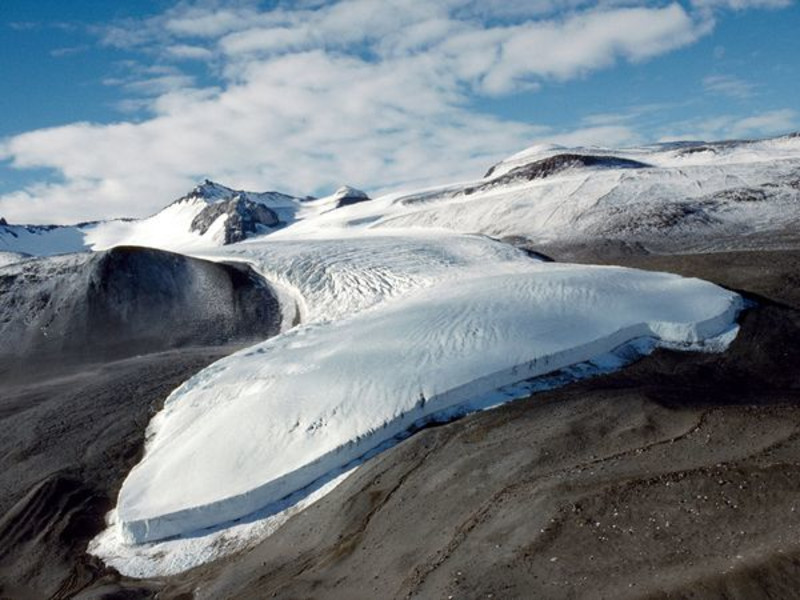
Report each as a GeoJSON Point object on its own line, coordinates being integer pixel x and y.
{"type": "Point", "coordinates": [210, 214]}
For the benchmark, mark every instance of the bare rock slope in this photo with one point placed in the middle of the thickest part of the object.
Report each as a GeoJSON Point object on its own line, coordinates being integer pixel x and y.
{"type": "Point", "coordinates": [126, 301]}
{"type": "Point", "coordinates": [123, 328]}
{"type": "Point", "coordinates": [674, 478]}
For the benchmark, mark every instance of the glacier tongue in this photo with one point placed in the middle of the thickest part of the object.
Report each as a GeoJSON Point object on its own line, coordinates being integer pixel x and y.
{"type": "Point", "coordinates": [270, 420]}
{"type": "Point", "coordinates": [411, 313]}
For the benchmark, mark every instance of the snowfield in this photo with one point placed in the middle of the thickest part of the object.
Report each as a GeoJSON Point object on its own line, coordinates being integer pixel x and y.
{"type": "Point", "coordinates": [673, 196]}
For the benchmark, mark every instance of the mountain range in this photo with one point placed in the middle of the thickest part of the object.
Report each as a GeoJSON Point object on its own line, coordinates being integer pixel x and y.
{"type": "Point", "coordinates": [661, 196]}
{"type": "Point", "coordinates": [252, 391]}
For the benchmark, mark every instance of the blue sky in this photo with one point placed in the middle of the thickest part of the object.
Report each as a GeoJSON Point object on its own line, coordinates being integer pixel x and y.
{"type": "Point", "coordinates": [115, 108]}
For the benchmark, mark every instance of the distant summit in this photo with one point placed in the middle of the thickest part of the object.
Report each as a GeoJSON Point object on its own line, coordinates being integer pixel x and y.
{"type": "Point", "coordinates": [657, 196]}
{"type": "Point", "coordinates": [347, 195]}
{"type": "Point", "coordinates": [243, 217]}
{"type": "Point", "coordinates": [211, 191]}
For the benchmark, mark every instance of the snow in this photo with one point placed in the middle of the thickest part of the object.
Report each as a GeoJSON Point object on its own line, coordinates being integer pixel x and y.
{"type": "Point", "coordinates": [268, 421]}
{"type": "Point", "coordinates": [409, 313]}
{"type": "Point", "coordinates": [334, 274]}
{"type": "Point", "coordinates": [678, 200]}
{"type": "Point", "coordinates": [10, 258]}
{"type": "Point", "coordinates": [682, 200]}
{"type": "Point", "coordinates": [175, 555]}
{"type": "Point", "coordinates": [41, 241]}
{"type": "Point", "coordinates": [169, 229]}
{"type": "Point", "coordinates": [690, 196]}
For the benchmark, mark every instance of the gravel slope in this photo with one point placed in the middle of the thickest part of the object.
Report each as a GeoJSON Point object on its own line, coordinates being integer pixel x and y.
{"type": "Point", "coordinates": [127, 326]}
{"type": "Point", "coordinates": [674, 478]}
{"type": "Point", "coordinates": [82, 308]}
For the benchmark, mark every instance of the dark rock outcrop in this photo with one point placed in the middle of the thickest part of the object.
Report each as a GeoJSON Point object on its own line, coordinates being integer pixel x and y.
{"type": "Point", "coordinates": [244, 217]}
{"type": "Point", "coordinates": [346, 195]}
{"type": "Point", "coordinates": [552, 165]}
{"type": "Point", "coordinates": [743, 194]}
{"type": "Point", "coordinates": [714, 147]}
{"type": "Point", "coordinates": [128, 301]}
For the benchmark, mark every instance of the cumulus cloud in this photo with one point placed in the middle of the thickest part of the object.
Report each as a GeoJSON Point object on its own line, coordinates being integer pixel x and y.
{"type": "Point", "coordinates": [189, 52]}
{"type": "Point", "coordinates": [310, 95]}
{"type": "Point", "coordinates": [586, 42]}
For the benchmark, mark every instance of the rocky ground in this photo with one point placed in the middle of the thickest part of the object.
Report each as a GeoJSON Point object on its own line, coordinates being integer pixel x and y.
{"type": "Point", "coordinates": [674, 478]}
{"type": "Point", "coordinates": [67, 443]}
{"type": "Point", "coordinates": [91, 346]}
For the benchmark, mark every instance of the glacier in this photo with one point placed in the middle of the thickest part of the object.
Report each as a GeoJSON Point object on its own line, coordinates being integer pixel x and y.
{"type": "Point", "coordinates": [409, 309]}
{"type": "Point", "coordinates": [272, 419]}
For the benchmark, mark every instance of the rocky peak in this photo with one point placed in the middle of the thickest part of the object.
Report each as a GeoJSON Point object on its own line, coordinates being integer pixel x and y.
{"type": "Point", "coordinates": [244, 217]}
{"type": "Point", "coordinates": [211, 191]}
{"type": "Point", "coordinates": [347, 195]}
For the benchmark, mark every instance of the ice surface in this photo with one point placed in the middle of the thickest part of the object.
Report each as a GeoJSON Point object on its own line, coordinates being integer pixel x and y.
{"type": "Point", "coordinates": [408, 312]}
{"type": "Point", "coordinates": [336, 273]}
{"type": "Point", "coordinates": [268, 421]}
{"type": "Point", "coordinates": [167, 557]}
{"type": "Point", "coordinates": [9, 258]}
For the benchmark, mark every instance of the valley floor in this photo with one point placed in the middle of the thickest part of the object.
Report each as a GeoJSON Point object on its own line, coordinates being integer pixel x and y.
{"type": "Point", "coordinates": [675, 477]}
{"type": "Point", "coordinates": [69, 439]}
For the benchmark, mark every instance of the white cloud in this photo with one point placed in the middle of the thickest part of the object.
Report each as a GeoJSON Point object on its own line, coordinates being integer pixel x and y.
{"type": "Point", "coordinates": [732, 127]}
{"type": "Point", "coordinates": [311, 95]}
{"type": "Point", "coordinates": [68, 51]}
{"type": "Point", "coordinates": [742, 4]}
{"type": "Point", "coordinates": [728, 85]}
{"type": "Point", "coordinates": [776, 121]}
{"type": "Point", "coordinates": [202, 22]}
{"type": "Point", "coordinates": [160, 85]}
{"type": "Point", "coordinates": [586, 42]}
{"type": "Point", "coordinates": [189, 52]}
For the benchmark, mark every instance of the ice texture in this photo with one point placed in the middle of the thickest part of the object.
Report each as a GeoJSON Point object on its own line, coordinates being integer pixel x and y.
{"type": "Point", "coordinates": [409, 309]}
{"type": "Point", "coordinates": [270, 420]}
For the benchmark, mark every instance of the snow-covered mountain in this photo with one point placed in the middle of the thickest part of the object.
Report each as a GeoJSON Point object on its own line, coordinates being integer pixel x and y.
{"type": "Point", "coordinates": [666, 197]}
{"type": "Point", "coordinates": [411, 308]}
{"type": "Point", "coordinates": [209, 215]}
